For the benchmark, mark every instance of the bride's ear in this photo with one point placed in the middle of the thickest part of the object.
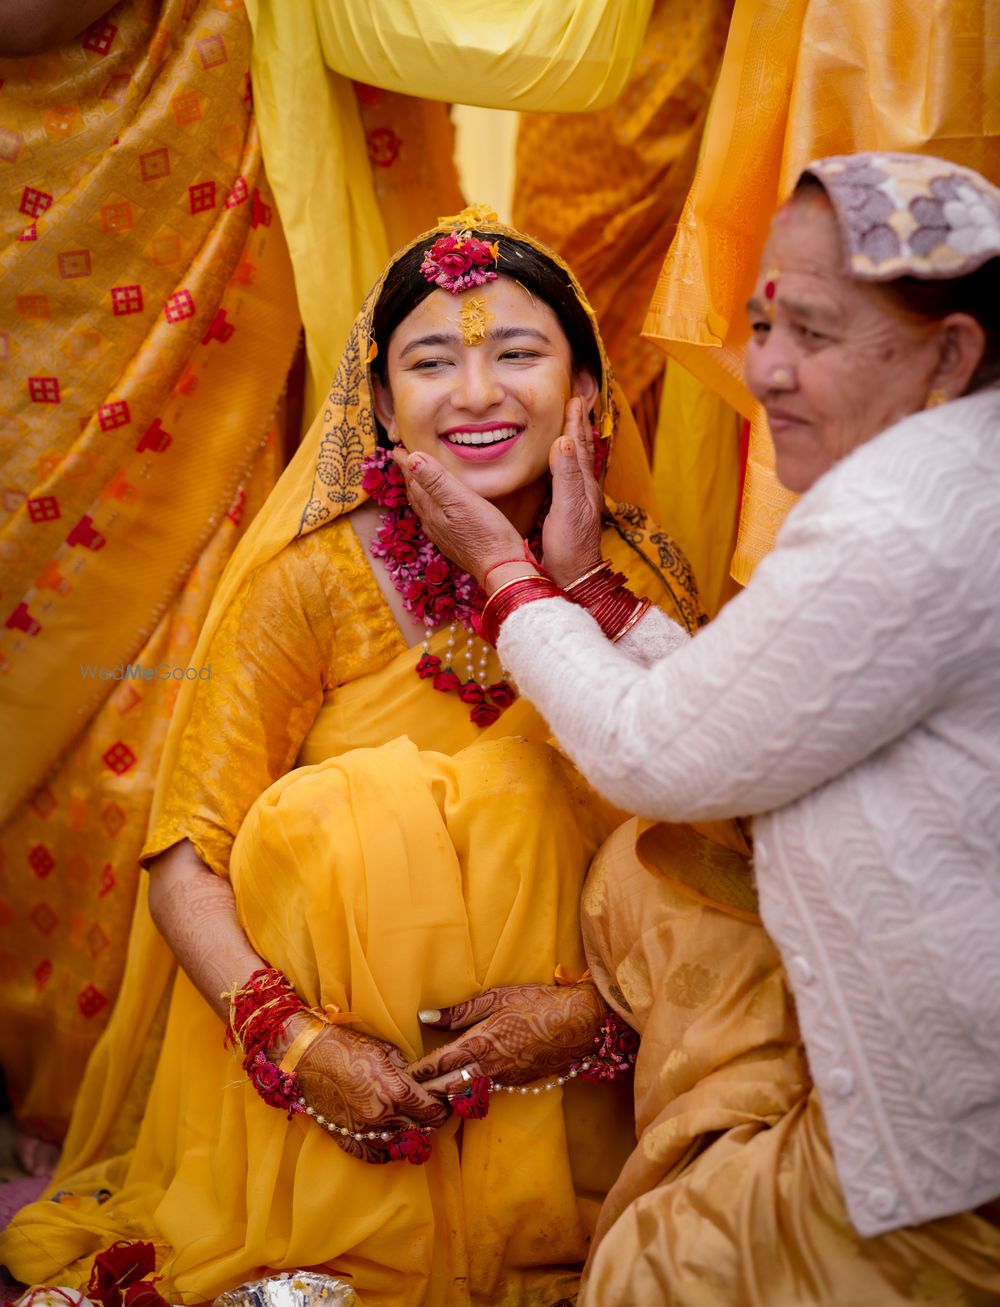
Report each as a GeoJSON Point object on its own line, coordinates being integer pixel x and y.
{"type": "Point", "coordinates": [585, 385]}
{"type": "Point", "coordinates": [384, 408]}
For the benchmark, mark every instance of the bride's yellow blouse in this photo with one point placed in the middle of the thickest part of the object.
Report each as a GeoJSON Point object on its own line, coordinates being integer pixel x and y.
{"type": "Point", "coordinates": [309, 662]}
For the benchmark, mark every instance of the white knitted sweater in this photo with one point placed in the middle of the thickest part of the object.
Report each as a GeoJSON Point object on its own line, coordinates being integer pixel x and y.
{"type": "Point", "coordinates": [850, 699]}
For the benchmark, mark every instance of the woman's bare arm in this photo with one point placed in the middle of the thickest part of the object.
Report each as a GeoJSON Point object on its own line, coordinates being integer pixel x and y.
{"type": "Point", "coordinates": [195, 912]}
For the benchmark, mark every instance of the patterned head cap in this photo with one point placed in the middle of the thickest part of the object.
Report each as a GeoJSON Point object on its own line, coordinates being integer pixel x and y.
{"type": "Point", "coordinates": [910, 215]}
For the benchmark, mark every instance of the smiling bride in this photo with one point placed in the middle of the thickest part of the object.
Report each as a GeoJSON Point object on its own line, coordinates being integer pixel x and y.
{"type": "Point", "coordinates": [359, 824]}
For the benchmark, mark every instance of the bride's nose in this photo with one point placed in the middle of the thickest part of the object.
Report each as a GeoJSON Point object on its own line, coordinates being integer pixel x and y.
{"type": "Point", "coordinates": [477, 387]}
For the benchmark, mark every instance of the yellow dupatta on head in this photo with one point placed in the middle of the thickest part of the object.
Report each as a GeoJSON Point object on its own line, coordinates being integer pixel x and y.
{"type": "Point", "coordinates": [322, 482]}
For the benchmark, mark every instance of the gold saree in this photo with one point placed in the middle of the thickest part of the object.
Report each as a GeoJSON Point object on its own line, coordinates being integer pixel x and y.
{"type": "Point", "coordinates": [731, 1197]}
{"type": "Point", "coordinates": [147, 325]}
{"type": "Point", "coordinates": [410, 860]}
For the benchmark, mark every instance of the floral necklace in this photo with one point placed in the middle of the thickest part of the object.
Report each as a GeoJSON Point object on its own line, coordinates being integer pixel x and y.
{"type": "Point", "coordinates": [435, 591]}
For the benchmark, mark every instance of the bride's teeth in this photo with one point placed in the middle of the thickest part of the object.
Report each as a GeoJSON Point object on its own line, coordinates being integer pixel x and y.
{"type": "Point", "coordinates": [481, 437]}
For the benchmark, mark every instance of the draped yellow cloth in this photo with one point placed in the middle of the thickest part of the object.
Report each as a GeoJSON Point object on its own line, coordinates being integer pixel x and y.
{"type": "Point", "coordinates": [799, 80]}
{"type": "Point", "coordinates": [605, 188]}
{"type": "Point", "coordinates": [504, 54]}
{"type": "Point", "coordinates": [457, 864]}
{"type": "Point", "coordinates": [731, 1196]}
{"type": "Point", "coordinates": [146, 327]}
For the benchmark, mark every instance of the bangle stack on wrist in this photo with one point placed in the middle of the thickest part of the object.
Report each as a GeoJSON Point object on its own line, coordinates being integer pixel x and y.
{"type": "Point", "coordinates": [608, 600]}
{"type": "Point", "coordinates": [506, 598]}
{"type": "Point", "coordinates": [259, 1012]}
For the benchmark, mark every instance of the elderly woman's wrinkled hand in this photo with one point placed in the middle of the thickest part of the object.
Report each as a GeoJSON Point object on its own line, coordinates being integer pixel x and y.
{"type": "Point", "coordinates": [360, 1082]}
{"type": "Point", "coordinates": [514, 1036]}
{"type": "Point", "coordinates": [464, 526]}
{"type": "Point", "coordinates": [571, 537]}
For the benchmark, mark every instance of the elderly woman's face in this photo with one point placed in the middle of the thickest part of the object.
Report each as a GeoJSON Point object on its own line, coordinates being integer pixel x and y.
{"type": "Point", "coordinates": [829, 359]}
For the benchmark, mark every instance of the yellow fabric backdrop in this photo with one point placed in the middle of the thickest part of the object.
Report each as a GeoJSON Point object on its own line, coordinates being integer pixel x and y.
{"type": "Point", "coordinates": [802, 79]}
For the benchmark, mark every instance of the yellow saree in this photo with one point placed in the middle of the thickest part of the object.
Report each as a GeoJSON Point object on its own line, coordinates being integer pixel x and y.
{"type": "Point", "coordinates": [410, 861]}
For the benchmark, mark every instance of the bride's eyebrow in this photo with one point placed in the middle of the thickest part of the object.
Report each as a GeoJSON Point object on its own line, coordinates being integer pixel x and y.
{"type": "Point", "coordinates": [506, 333]}
{"type": "Point", "coordinates": [438, 338]}
{"type": "Point", "coordinates": [452, 338]}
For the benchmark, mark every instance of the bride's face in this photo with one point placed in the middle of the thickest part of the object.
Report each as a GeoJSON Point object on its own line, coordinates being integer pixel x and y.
{"type": "Point", "coordinates": [480, 380]}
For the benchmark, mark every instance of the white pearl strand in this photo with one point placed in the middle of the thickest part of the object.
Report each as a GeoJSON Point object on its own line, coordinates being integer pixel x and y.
{"type": "Point", "coordinates": [495, 1087]}
{"type": "Point", "coordinates": [583, 1065]}
{"type": "Point", "coordinates": [332, 1128]}
{"type": "Point", "coordinates": [479, 674]}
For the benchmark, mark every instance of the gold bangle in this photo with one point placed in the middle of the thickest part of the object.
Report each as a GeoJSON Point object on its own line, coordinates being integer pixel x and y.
{"type": "Point", "coordinates": [302, 1042]}
{"type": "Point", "coordinates": [640, 610]}
{"type": "Point", "coordinates": [602, 566]}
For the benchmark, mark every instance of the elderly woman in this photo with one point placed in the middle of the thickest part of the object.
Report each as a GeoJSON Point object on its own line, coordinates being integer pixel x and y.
{"type": "Point", "coordinates": [849, 700]}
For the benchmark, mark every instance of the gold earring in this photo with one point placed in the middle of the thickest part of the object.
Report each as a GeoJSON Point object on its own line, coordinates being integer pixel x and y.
{"type": "Point", "coordinates": [394, 435]}
{"type": "Point", "coordinates": [937, 396]}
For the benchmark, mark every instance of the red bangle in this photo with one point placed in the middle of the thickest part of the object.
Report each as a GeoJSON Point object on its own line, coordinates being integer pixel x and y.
{"type": "Point", "coordinates": [608, 600]}
{"type": "Point", "coordinates": [504, 600]}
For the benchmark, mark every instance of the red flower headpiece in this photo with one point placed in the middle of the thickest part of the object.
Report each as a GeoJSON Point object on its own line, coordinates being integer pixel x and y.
{"type": "Point", "coordinates": [460, 261]}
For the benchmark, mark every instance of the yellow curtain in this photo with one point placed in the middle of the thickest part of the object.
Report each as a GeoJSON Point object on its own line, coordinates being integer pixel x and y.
{"type": "Point", "coordinates": [605, 188]}
{"type": "Point", "coordinates": [801, 79]}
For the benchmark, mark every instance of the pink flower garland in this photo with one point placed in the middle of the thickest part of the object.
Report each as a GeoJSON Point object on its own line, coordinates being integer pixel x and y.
{"type": "Point", "coordinates": [432, 587]}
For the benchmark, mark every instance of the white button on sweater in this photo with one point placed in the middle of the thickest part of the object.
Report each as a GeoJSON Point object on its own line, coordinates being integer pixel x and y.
{"type": "Point", "coordinates": [850, 700]}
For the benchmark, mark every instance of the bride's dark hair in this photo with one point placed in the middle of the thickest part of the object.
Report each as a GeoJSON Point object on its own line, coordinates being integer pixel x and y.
{"type": "Point", "coordinates": [405, 287]}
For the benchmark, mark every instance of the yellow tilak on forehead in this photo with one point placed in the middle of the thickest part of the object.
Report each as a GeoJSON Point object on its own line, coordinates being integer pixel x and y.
{"type": "Point", "coordinates": [474, 317]}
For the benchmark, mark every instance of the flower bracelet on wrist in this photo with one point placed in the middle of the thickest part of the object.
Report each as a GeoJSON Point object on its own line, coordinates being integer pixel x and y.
{"type": "Point", "coordinates": [259, 1012]}
{"type": "Point", "coordinates": [617, 1046]}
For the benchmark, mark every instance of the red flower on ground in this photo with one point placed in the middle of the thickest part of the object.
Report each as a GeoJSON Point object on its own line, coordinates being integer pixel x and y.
{"type": "Point", "coordinates": [116, 1268]}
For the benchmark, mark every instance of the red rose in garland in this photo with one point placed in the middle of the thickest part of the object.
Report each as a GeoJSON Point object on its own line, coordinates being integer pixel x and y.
{"type": "Point", "coordinates": [433, 590]}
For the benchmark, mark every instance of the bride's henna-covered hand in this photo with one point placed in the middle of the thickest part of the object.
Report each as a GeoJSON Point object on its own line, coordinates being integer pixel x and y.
{"type": "Point", "coordinates": [513, 1035]}
{"type": "Point", "coordinates": [358, 1081]}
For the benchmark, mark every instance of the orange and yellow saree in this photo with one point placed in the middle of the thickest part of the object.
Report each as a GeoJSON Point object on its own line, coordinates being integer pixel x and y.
{"type": "Point", "coordinates": [147, 325]}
